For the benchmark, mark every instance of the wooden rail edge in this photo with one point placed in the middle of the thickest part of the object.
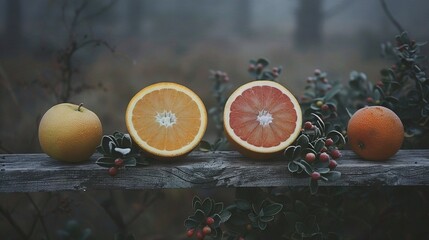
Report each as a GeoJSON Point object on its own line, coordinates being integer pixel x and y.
{"type": "Point", "coordinates": [38, 172]}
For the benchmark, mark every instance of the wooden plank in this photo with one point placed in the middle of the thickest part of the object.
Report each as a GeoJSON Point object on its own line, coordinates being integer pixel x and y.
{"type": "Point", "coordinates": [38, 172]}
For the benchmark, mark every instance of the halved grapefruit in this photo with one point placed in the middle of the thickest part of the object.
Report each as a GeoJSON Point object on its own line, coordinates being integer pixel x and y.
{"type": "Point", "coordinates": [261, 119]}
{"type": "Point", "coordinates": [167, 120]}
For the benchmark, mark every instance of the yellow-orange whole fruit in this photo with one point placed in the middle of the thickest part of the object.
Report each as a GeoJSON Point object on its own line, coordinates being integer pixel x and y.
{"type": "Point", "coordinates": [375, 133]}
{"type": "Point", "coordinates": [69, 133]}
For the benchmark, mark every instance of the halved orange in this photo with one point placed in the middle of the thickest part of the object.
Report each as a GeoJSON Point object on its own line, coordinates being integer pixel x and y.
{"type": "Point", "coordinates": [262, 118]}
{"type": "Point", "coordinates": [167, 120]}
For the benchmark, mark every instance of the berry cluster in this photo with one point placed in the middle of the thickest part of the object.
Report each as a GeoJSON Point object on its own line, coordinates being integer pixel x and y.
{"type": "Point", "coordinates": [119, 163]}
{"type": "Point", "coordinates": [316, 152]}
{"type": "Point", "coordinates": [328, 153]}
{"type": "Point", "coordinates": [201, 233]}
{"type": "Point", "coordinates": [258, 69]}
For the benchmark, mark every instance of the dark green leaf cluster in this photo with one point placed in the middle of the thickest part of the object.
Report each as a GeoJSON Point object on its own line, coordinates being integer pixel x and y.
{"type": "Point", "coordinates": [119, 145]}
{"type": "Point", "coordinates": [73, 230]}
{"type": "Point", "coordinates": [303, 223]}
{"type": "Point", "coordinates": [204, 210]}
{"type": "Point", "coordinates": [404, 86]}
{"type": "Point", "coordinates": [258, 70]}
{"type": "Point", "coordinates": [311, 153]}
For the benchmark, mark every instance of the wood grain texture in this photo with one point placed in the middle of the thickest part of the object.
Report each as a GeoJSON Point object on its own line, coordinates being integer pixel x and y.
{"type": "Point", "coordinates": [38, 172]}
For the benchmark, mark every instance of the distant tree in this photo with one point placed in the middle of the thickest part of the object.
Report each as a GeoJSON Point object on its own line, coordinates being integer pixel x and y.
{"type": "Point", "coordinates": [309, 23]}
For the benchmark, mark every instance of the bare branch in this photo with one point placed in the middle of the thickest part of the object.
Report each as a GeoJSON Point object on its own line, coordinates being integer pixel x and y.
{"type": "Point", "coordinates": [390, 16]}
{"type": "Point", "coordinates": [39, 215]}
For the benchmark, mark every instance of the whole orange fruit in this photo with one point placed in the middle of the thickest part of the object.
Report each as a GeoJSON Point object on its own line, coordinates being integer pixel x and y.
{"type": "Point", "coordinates": [375, 133]}
{"type": "Point", "coordinates": [69, 133]}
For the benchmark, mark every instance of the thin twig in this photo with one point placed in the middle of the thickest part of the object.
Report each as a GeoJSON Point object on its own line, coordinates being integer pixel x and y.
{"type": "Point", "coordinates": [13, 223]}
{"type": "Point", "coordinates": [390, 16]}
{"type": "Point", "coordinates": [39, 215]}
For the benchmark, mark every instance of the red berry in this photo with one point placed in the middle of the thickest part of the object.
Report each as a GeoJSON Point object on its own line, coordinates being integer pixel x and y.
{"type": "Point", "coordinates": [308, 125]}
{"type": "Point", "coordinates": [324, 157]}
{"type": "Point", "coordinates": [275, 74]}
{"type": "Point", "coordinates": [210, 220]}
{"type": "Point", "coordinates": [325, 107]}
{"type": "Point", "coordinates": [275, 70]}
{"type": "Point", "coordinates": [329, 142]}
{"type": "Point", "coordinates": [369, 100]}
{"type": "Point", "coordinates": [241, 238]}
{"type": "Point", "coordinates": [113, 171]}
{"type": "Point", "coordinates": [259, 67]}
{"type": "Point", "coordinates": [119, 162]}
{"type": "Point", "coordinates": [199, 235]}
{"type": "Point", "coordinates": [251, 68]}
{"type": "Point", "coordinates": [324, 80]}
{"type": "Point", "coordinates": [332, 164]}
{"type": "Point", "coordinates": [315, 176]}
{"type": "Point", "coordinates": [206, 230]}
{"type": "Point", "coordinates": [310, 157]}
{"type": "Point", "coordinates": [190, 232]}
{"type": "Point", "coordinates": [336, 154]}
{"type": "Point", "coordinates": [249, 227]}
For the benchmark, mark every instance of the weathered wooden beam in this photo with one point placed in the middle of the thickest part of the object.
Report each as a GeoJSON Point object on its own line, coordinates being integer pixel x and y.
{"type": "Point", "coordinates": [38, 172]}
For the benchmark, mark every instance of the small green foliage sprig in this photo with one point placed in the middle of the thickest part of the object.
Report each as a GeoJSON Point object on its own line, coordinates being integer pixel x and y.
{"type": "Point", "coordinates": [258, 70]}
{"type": "Point", "coordinates": [220, 90]}
{"type": "Point", "coordinates": [320, 97]}
{"type": "Point", "coordinates": [315, 152]}
{"type": "Point", "coordinates": [119, 152]}
{"type": "Point", "coordinates": [241, 220]}
{"type": "Point", "coordinates": [207, 218]}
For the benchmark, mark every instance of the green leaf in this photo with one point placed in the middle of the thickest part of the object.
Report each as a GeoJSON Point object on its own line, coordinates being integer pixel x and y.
{"type": "Point", "coordinates": [205, 146]}
{"type": "Point", "coordinates": [305, 166]}
{"type": "Point", "coordinates": [217, 220]}
{"type": "Point", "coordinates": [252, 216]}
{"type": "Point", "coordinates": [105, 162]}
{"type": "Point", "coordinates": [272, 209]}
{"type": "Point", "coordinates": [318, 146]}
{"type": "Point", "coordinates": [207, 206]}
{"type": "Point", "coordinates": [263, 61]}
{"type": "Point", "coordinates": [334, 91]}
{"type": "Point", "coordinates": [196, 203]}
{"type": "Point", "coordinates": [130, 162]}
{"type": "Point", "coordinates": [332, 175]}
{"type": "Point", "coordinates": [126, 141]}
{"type": "Point", "coordinates": [225, 215]}
{"type": "Point", "coordinates": [262, 225]}
{"type": "Point", "coordinates": [337, 137]}
{"type": "Point", "coordinates": [293, 167]}
{"type": "Point", "coordinates": [292, 153]}
{"type": "Point", "coordinates": [218, 207]}
{"type": "Point", "coordinates": [323, 170]}
{"type": "Point", "coordinates": [199, 216]}
{"type": "Point", "coordinates": [303, 141]}
{"type": "Point", "coordinates": [266, 218]}
{"type": "Point", "coordinates": [190, 223]}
